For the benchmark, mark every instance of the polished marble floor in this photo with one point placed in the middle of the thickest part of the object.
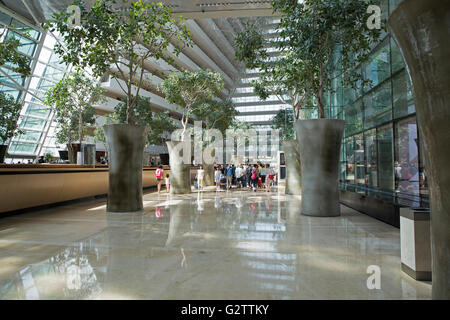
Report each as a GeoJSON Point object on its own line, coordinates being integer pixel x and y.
{"type": "Point", "coordinates": [208, 245]}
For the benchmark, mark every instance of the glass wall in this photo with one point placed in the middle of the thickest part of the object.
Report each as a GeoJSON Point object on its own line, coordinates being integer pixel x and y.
{"type": "Point", "coordinates": [381, 152]}
{"type": "Point", "coordinates": [36, 118]}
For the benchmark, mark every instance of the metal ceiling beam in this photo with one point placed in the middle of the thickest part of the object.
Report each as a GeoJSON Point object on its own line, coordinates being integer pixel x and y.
{"type": "Point", "coordinates": [227, 14]}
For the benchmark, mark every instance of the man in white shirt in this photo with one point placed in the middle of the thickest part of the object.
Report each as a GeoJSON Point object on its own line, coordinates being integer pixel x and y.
{"type": "Point", "coordinates": [239, 173]}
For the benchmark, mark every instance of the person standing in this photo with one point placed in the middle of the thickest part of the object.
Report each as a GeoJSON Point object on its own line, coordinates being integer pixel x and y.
{"type": "Point", "coordinates": [254, 177]}
{"type": "Point", "coordinates": [229, 175]}
{"type": "Point", "coordinates": [200, 176]}
{"type": "Point", "coordinates": [262, 174]}
{"type": "Point", "coordinates": [217, 175]}
{"type": "Point", "coordinates": [159, 177]}
{"type": "Point", "coordinates": [233, 179]}
{"type": "Point", "coordinates": [167, 183]}
{"type": "Point", "coordinates": [239, 174]}
{"type": "Point", "coordinates": [269, 177]}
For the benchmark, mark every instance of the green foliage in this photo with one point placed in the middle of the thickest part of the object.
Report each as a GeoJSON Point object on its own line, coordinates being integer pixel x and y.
{"type": "Point", "coordinates": [216, 114]}
{"type": "Point", "coordinates": [251, 46]}
{"type": "Point", "coordinates": [48, 156]}
{"type": "Point", "coordinates": [72, 99]}
{"type": "Point", "coordinates": [310, 32]}
{"type": "Point", "coordinates": [9, 117]}
{"type": "Point", "coordinates": [123, 34]}
{"type": "Point", "coordinates": [284, 121]}
{"type": "Point", "coordinates": [160, 123]}
{"type": "Point", "coordinates": [10, 56]}
{"type": "Point", "coordinates": [157, 122]}
{"type": "Point", "coordinates": [141, 114]}
{"type": "Point", "coordinates": [188, 89]}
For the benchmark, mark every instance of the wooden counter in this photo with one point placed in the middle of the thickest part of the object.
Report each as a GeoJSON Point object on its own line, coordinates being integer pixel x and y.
{"type": "Point", "coordinates": [26, 185]}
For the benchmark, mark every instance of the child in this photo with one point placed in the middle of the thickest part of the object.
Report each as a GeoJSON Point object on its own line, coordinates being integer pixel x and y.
{"type": "Point", "coordinates": [167, 183]}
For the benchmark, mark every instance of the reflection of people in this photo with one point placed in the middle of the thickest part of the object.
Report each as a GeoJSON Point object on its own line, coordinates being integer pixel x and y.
{"type": "Point", "coordinates": [422, 178]}
{"type": "Point", "coordinates": [398, 174]}
{"type": "Point", "coordinates": [159, 177]}
{"type": "Point", "coordinates": [158, 213]}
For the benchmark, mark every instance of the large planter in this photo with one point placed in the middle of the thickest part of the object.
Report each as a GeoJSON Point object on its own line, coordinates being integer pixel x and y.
{"type": "Point", "coordinates": [320, 143]}
{"type": "Point", "coordinates": [125, 150]}
{"type": "Point", "coordinates": [3, 148]}
{"type": "Point", "coordinates": [293, 168]}
{"type": "Point", "coordinates": [421, 29]}
{"type": "Point", "coordinates": [180, 171]}
{"type": "Point", "coordinates": [209, 170]}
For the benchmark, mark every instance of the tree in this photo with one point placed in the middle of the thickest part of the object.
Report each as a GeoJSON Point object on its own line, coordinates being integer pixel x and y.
{"type": "Point", "coordinates": [9, 117]}
{"type": "Point", "coordinates": [142, 114]}
{"type": "Point", "coordinates": [160, 123]}
{"type": "Point", "coordinates": [310, 32]}
{"type": "Point", "coordinates": [284, 120]}
{"type": "Point", "coordinates": [122, 34]}
{"type": "Point", "coordinates": [189, 89]}
{"type": "Point", "coordinates": [72, 99]}
{"type": "Point", "coordinates": [9, 107]}
{"type": "Point", "coordinates": [11, 57]}
{"type": "Point", "coordinates": [216, 114]}
{"type": "Point", "coordinates": [283, 77]}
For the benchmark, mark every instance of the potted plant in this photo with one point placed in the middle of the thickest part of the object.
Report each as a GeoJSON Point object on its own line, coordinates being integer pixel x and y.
{"type": "Point", "coordinates": [214, 114]}
{"type": "Point", "coordinates": [311, 31]}
{"type": "Point", "coordinates": [9, 107]}
{"type": "Point", "coordinates": [187, 89]}
{"type": "Point", "coordinates": [420, 28]}
{"type": "Point", "coordinates": [48, 157]}
{"type": "Point", "coordinates": [119, 37]}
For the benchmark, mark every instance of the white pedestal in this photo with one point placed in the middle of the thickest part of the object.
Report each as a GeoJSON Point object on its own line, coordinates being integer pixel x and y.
{"type": "Point", "coordinates": [415, 243]}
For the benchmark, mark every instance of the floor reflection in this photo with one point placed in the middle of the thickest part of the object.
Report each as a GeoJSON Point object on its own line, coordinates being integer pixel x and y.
{"type": "Point", "coordinates": [207, 245]}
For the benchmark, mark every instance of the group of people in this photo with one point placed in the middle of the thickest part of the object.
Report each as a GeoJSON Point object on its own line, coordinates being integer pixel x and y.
{"type": "Point", "coordinates": [256, 176]}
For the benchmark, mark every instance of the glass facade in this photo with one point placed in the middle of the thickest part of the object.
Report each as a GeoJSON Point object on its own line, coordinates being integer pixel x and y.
{"type": "Point", "coordinates": [381, 154]}
{"type": "Point", "coordinates": [47, 70]}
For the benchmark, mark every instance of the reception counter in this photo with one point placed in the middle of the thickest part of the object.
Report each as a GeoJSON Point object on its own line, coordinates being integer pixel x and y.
{"type": "Point", "coordinates": [27, 186]}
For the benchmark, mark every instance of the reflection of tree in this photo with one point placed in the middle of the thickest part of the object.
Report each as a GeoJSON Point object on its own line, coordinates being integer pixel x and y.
{"type": "Point", "coordinates": [73, 263]}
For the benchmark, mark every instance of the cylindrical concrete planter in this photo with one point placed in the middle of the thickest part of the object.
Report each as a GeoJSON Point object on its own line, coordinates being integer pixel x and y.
{"type": "Point", "coordinates": [293, 168]}
{"type": "Point", "coordinates": [421, 29]}
{"type": "Point", "coordinates": [125, 148]}
{"type": "Point", "coordinates": [180, 172]}
{"type": "Point", "coordinates": [320, 144]}
{"type": "Point", "coordinates": [209, 169]}
{"type": "Point", "coordinates": [3, 149]}
{"type": "Point", "coordinates": [209, 174]}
